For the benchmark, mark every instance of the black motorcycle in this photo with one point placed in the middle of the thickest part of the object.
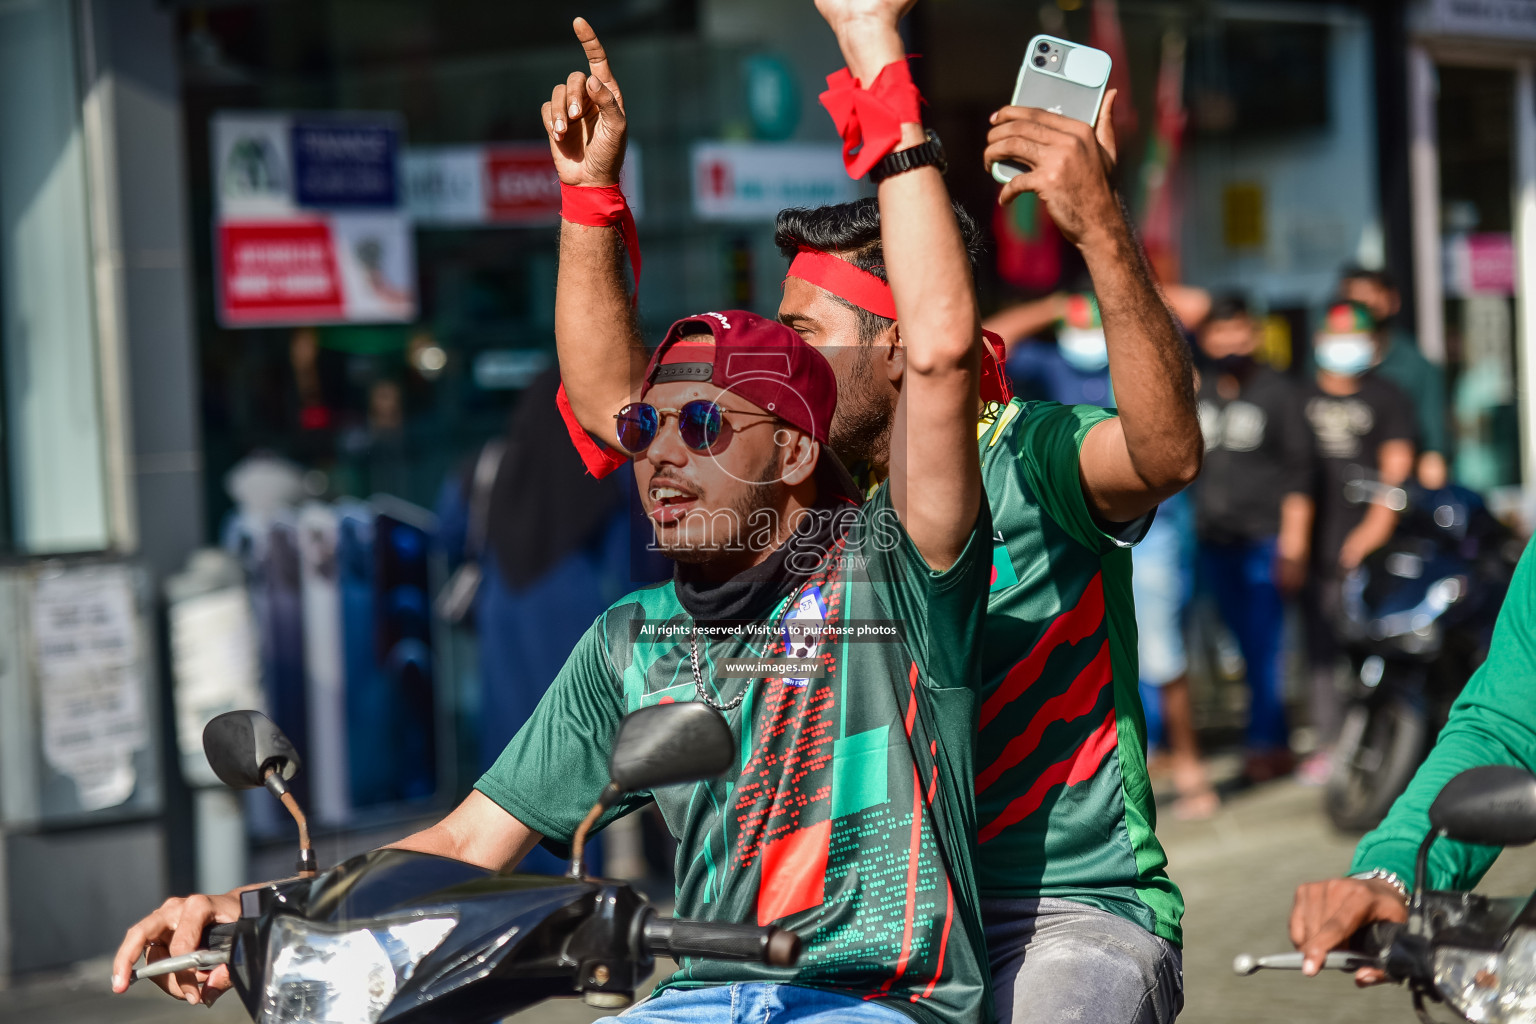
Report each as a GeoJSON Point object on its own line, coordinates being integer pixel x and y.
{"type": "Point", "coordinates": [1474, 953]}
{"type": "Point", "coordinates": [1415, 619]}
{"type": "Point", "coordinates": [395, 936]}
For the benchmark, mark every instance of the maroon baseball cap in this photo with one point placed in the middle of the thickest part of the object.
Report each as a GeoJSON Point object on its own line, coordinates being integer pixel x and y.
{"type": "Point", "coordinates": [761, 360]}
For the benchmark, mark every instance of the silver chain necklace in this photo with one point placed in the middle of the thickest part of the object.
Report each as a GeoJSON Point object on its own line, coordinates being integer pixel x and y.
{"type": "Point", "coordinates": [698, 680]}
{"type": "Point", "coordinates": [698, 677]}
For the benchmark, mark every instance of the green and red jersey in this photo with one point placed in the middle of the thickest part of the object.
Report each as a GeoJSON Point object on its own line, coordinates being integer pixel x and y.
{"type": "Point", "coordinates": [849, 816]}
{"type": "Point", "coordinates": [1063, 803]}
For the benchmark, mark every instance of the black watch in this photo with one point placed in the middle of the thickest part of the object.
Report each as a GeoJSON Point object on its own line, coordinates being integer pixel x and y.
{"type": "Point", "coordinates": [927, 154]}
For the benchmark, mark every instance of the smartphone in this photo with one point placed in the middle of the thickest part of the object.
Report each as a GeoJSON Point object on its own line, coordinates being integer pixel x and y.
{"type": "Point", "coordinates": [1062, 77]}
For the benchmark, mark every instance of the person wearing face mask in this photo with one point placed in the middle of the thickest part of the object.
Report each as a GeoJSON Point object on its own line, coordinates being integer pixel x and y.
{"type": "Point", "coordinates": [1074, 371]}
{"type": "Point", "coordinates": [1399, 360]}
{"type": "Point", "coordinates": [1253, 513]}
{"type": "Point", "coordinates": [1362, 426]}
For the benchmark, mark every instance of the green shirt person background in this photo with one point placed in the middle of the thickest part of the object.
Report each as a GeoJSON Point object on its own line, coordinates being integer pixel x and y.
{"type": "Point", "coordinates": [1400, 361]}
{"type": "Point", "coordinates": [1492, 722]}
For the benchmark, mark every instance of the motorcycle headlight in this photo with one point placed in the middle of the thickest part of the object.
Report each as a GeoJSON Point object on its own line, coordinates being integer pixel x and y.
{"type": "Point", "coordinates": [1497, 988]}
{"type": "Point", "coordinates": [322, 974]}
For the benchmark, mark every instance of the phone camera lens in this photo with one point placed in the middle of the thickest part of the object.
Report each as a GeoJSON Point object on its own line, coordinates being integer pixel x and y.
{"type": "Point", "coordinates": [1039, 62]}
{"type": "Point", "coordinates": [1045, 47]}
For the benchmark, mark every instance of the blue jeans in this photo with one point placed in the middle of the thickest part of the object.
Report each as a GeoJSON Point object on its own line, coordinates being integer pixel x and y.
{"type": "Point", "coordinates": [1059, 960]}
{"type": "Point", "coordinates": [1242, 580]}
{"type": "Point", "coordinates": [758, 1003]}
{"type": "Point", "coordinates": [1161, 581]}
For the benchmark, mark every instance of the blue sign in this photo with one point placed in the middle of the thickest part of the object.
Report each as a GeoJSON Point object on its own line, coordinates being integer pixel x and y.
{"type": "Point", "coordinates": [345, 163]}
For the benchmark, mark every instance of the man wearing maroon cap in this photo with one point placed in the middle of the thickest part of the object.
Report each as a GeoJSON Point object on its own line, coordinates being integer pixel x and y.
{"type": "Point", "coordinates": [1069, 866]}
{"type": "Point", "coordinates": [849, 817]}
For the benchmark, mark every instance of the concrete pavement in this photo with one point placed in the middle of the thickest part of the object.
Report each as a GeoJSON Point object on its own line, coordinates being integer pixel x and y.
{"type": "Point", "coordinates": [1237, 871]}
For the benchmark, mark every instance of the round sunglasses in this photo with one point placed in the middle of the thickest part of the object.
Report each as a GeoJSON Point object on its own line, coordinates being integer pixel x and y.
{"type": "Point", "coordinates": [699, 423]}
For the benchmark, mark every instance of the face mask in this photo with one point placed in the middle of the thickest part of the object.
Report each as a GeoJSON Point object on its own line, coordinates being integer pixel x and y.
{"type": "Point", "coordinates": [1083, 348]}
{"type": "Point", "coordinates": [1348, 355]}
{"type": "Point", "coordinates": [1237, 366]}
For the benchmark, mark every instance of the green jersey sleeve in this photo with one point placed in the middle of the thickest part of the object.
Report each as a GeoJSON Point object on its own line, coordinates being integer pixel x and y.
{"type": "Point", "coordinates": [554, 769]}
{"type": "Point", "coordinates": [939, 612]}
{"type": "Point", "coordinates": [1042, 442]}
{"type": "Point", "coordinates": [1492, 722]}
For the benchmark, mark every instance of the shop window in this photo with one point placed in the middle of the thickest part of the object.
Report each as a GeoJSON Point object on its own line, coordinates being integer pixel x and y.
{"type": "Point", "coordinates": [56, 500]}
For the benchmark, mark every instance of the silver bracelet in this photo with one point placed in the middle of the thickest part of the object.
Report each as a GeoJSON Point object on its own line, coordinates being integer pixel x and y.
{"type": "Point", "coordinates": [1386, 876]}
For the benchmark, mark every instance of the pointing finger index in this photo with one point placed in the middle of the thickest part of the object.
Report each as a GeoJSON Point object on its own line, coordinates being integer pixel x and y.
{"type": "Point", "coordinates": [597, 57]}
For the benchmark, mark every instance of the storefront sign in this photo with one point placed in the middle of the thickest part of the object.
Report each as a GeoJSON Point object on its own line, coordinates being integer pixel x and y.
{"type": "Point", "coordinates": [511, 184]}
{"type": "Point", "coordinates": [310, 228]}
{"type": "Point", "coordinates": [1480, 264]}
{"type": "Point", "coordinates": [753, 181]}
{"type": "Point", "coordinates": [345, 163]}
{"type": "Point", "coordinates": [1492, 19]}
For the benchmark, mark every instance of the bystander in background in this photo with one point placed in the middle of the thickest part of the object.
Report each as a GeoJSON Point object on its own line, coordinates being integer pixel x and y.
{"type": "Point", "coordinates": [1400, 361]}
{"type": "Point", "coordinates": [1362, 427]}
{"type": "Point", "coordinates": [1253, 514]}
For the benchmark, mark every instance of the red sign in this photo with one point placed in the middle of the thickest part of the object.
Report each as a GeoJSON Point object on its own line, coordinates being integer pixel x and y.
{"type": "Point", "coordinates": [1491, 263]}
{"type": "Point", "coordinates": [278, 271]}
{"type": "Point", "coordinates": [521, 184]}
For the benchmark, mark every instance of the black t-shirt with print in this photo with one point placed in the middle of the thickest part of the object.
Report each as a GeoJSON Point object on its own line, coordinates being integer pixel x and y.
{"type": "Point", "coordinates": [1258, 449]}
{"type": "Point", "coordinates": [1347, 434]}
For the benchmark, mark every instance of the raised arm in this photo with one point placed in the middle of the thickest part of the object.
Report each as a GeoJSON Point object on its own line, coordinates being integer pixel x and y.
{"type": "Point", "coordinates": [935, 468]}
{"type": "Point", "coordinates": [1153, 448]}
{"type": "Point", "coordinates": [602, 353]}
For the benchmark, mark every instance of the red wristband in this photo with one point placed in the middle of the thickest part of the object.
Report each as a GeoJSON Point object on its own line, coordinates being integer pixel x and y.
{"type": "Point", "coordinates": [870, 118]}
{"type": "Point", "coordinates": [600, 460]}
{"type": "Point", "coordinates": [604, 207]}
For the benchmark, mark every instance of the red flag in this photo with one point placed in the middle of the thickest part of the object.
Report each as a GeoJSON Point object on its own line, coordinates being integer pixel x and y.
{"type": "Point", "coordinates": [1105, 35]}
{"type": "Point", "coordinates": [1160, 208]}
{"type": "Point", "coordinates": [1028, 244]}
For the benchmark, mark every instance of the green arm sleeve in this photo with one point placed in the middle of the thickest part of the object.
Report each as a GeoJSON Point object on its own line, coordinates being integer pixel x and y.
{"type": "Point", "coordinates": [554, 769]}
{"type": "Point", "coordinates": [1492, 722]}
{"type": "Point", "coordinates": [1045, 440]}
{"type": "Point", "coordinates": [939, 612]}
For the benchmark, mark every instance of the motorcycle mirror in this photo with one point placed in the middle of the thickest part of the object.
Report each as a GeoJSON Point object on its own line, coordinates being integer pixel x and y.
{"type": "Point", "coordinates": [246, 750]}
{"type": "Point", "coordinates": [666, 744]}
{"type": "Point", "coordinates": [1493, 804]}
{"type": "Point", "coordinates": [244, 747]}
{"type": "Point", "coordinates": [660, 745]}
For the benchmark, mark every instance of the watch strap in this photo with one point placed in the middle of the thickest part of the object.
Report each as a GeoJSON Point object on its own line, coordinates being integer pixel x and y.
{"type": "Point", "coordinates": [929, 153]}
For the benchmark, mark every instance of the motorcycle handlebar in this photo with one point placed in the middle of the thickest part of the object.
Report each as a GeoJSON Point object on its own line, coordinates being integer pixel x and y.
{"type": "Point", "coordinates": [713, 940]}
{"type": "Point", "coordinates": [1376, 939]}
{"type": "Point", "coordinates": [219, 937]}
{"type": "Point", "coordinates": [218, 940]}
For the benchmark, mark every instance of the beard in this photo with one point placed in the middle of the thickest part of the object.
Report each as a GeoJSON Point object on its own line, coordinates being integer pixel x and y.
{"type": "Point", "coordinates": [735, 530]}
{"type": "Point", "coordinates": [861, 424]}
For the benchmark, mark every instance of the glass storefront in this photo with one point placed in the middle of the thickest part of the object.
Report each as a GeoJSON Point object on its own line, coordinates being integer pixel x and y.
{"type": "Point", "coordinates": [1475, 121]}
{"type": "Point", "coordinates": [399, 407]}
{"type": "Point", "coordinates": [52, 449]}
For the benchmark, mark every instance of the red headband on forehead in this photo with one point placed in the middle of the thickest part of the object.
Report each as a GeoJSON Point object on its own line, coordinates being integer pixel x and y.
{"type": "Point", "coordinates": [867, 291]}
{"type": "Point", "coordinates": [844, 280]}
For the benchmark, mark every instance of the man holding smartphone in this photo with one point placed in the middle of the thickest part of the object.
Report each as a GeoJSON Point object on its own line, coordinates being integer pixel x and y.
{"type": "Point", "coordinates": [1072, 876]}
